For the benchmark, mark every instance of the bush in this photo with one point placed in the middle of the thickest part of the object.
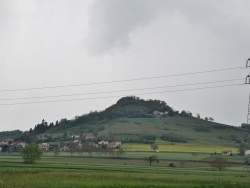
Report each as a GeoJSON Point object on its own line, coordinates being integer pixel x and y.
{"type": "Point", "coordinates": [171, 165]}
{"type": "Point", "coordinates": [201, 129]}
{"type": "Point", "coordinates": [173, 137]}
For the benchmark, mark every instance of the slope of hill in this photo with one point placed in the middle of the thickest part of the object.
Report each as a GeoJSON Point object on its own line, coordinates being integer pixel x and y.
{"type": "Point", "coordinates": [132, 120]}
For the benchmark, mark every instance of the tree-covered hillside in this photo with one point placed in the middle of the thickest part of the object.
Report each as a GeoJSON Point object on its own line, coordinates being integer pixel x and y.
{"type": "Point", "coordinates": [9, 134]}
{"type": "Point", "coordinates": [130, 107]}
{"type": "Point", "coordinates": [136, 120]}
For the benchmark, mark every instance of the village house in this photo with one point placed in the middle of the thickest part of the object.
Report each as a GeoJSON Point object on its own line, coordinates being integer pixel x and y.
{"type": "Point", "coordinates": [95, 145]}
{"type": "Point", "coordinates": [114, 144]}
{"type": "Point", "coordinates": [79, 146]}
{"type": "Point", "coordinates": [7, 141]}
{"type": "Point", "coordinates": [156, 113]}
{"type": "Point", "coordinates": [247, 152]}
{"type": "Point", "coordinates": [44, 146]}
{"type": "Point", "coordinates": [64, 148]}
{"type": "Point", "coordinates": [43, 137]}
{"type": "Point", "coordinates": [73, 136]}
{"type": "Point", "coordinates": [89, 138]}
{"type": "Point", "coordinates": [226, 152]}
{"type": "Point", "coordinates": [19, 144]}
{"type": "Point", "coordinates": [103, 142]}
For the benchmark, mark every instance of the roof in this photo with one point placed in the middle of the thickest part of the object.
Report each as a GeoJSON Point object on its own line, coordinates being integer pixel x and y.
{"type": "Point", "coordinates": [226, 151]}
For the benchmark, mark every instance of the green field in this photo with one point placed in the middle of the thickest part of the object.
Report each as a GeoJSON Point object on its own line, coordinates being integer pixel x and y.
{"type": "Point", "coordinates": [130, 171]}
{"type": "Point", "coordinates": [179, 147]}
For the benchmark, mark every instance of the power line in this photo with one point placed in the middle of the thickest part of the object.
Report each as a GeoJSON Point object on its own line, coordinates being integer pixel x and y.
{"type": "Point", "coordinates": [116, 91]}
{"type": "Point", "coordinates": [91, 98]}
{"type": "Point", "coordinates": [118, 81]}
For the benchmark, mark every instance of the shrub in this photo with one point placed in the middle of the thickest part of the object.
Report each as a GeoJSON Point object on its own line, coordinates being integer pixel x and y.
{"type": "Point", "coordinates": [173, 137]}
{"type": "Point", "coordinates": [171, 165]}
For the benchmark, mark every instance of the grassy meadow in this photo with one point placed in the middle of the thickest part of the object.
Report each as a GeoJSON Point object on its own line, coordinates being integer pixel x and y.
{"type": "Point", "coordinates": [132, 170]}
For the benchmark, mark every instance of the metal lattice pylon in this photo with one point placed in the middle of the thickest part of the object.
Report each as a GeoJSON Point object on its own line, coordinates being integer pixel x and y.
{"type": "Point", "coordinates": [248, 63]}
{"type": "Point", "coordinates": [247, 81]}
{"type": "Point", "coordinates": [248, 115]}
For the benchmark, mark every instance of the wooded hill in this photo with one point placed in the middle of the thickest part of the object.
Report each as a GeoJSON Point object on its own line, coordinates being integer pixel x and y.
{"type": "Point", "coordinates": [136, 120]}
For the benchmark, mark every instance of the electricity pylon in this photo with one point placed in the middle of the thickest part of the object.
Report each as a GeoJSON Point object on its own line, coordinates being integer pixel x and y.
{"type": "Point", "coordinates": [248, 82]}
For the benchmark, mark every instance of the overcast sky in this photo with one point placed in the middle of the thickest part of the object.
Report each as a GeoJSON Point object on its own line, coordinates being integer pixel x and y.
{"type": "Point", "coordinates": [46, 43]}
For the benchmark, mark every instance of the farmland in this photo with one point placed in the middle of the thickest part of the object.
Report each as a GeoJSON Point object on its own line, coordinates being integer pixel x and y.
{"type": "Point", "coordinates": [131, 171]}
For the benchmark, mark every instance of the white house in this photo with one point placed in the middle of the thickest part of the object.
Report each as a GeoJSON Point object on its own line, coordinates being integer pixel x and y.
{"type": "Point", "coordinates": [247, 152]}
{"type": "Point", "coordinates": [44, 146]}
{"type": "Point", "coordinates": [103, 142]}
{"type": "Point", "coordinates": [77, 141]}
{"type": "Point", "coordinates": [156, 113]}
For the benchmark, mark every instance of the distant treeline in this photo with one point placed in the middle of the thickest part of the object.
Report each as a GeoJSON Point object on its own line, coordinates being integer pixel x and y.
{"type": "Point", "coordinates": [9, 134]}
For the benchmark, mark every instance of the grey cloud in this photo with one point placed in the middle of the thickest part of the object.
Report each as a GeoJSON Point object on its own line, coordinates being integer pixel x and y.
{"type": "Point", "coordinates": [112, 21]}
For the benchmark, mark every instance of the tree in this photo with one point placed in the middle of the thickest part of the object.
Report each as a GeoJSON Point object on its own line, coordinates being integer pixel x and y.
{"type": "Point", "coordinates": [154, 146]}
{"type": "Point", "coordinates": [247, 161]}
{"type": "Point", "coordinates": [5, 148]}
{"type": "Point", "coordinates": [194, 154]}
{"type": "Point", "coordinates": [62, 144]}
{"type": "Point", "coordinates": [89, 149]}
{"type": "Point", "coordinates": [11, 149]}
{"type": "Point", "coordinates": [242, 148]}
{"type": "Point", "coordinates": [110, 151]}
{"type": "Point", "coordinates": [71, 151]}
{"type": "Point", "coordinates": [153, 158]}
{"type": "Point", "coordinates": [56, 151]}
{"type": "Point", "coordinates": [31, 153]}
{"type": "Point", "coordinates": [211, 119]}
{"type": "Point", "coordinates": [120, 152]}
{"type": "Point", "coordinates": [219, 163]}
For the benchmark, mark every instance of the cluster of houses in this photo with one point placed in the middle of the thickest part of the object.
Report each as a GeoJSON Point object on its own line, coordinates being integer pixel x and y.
{"type": "Point", "coordinates": [10, 142]}
{"type": "Point", "coordinates": [77, 144]}
{"type": "Point", "coordinates": [73, 136]}
{"type": "Point", "coordinates": [230, 152]}
{"type": "Point", "coordinates": [157, 113]}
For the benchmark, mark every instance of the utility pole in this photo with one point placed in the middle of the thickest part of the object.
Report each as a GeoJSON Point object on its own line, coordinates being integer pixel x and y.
{"type": "Point", "coordinates": [248, 82]}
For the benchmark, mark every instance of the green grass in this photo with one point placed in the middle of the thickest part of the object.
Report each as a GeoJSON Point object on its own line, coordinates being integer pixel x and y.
{"type": "Point", "coordinates": [76, 171]}
{"type": "Point", "coordinates": [178, 147]}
